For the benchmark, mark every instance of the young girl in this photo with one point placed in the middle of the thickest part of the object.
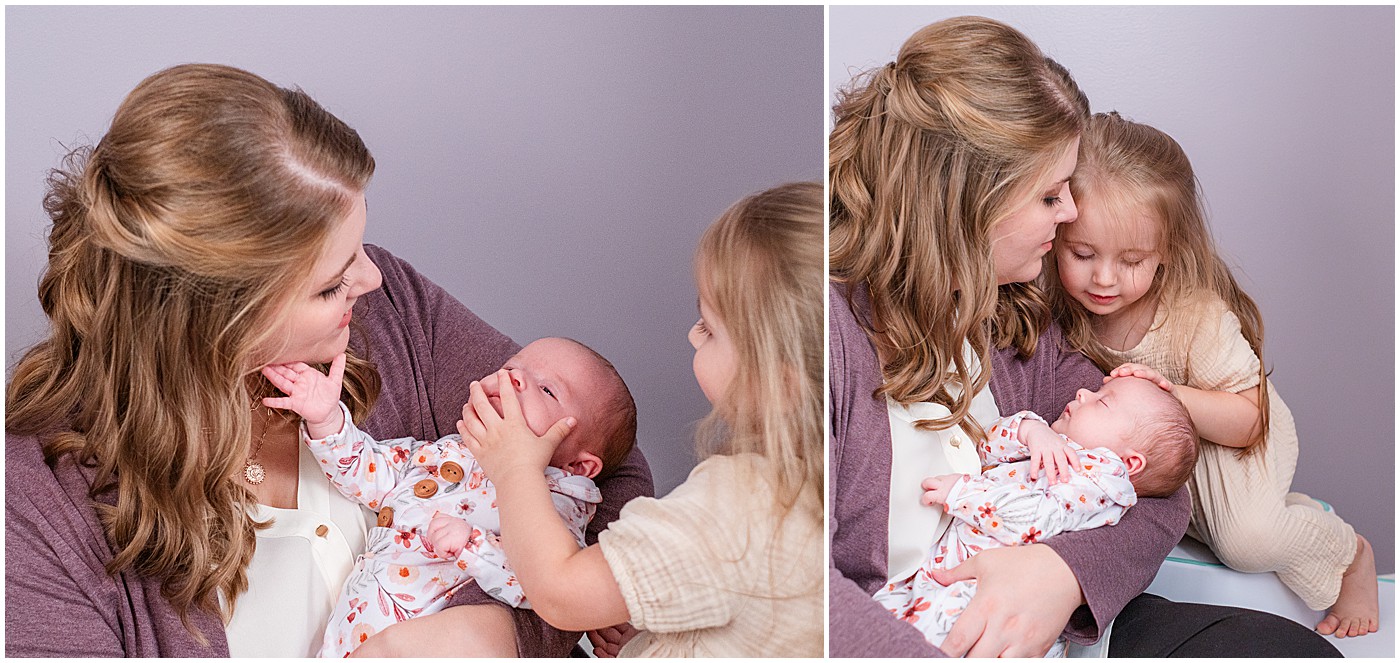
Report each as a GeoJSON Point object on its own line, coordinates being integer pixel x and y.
{"type": "Point", "coordinates": [730, 563]}
{"type": "Point", "coordinates": [1138, 285]}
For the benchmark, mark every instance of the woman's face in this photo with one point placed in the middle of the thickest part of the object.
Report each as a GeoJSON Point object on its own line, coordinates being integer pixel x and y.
{"type": "Point", "coordinates": [1019, 241]}
{"type": "Point", "coordinates": [317, 328]}
{"type": "Point", "coordinates": [714, 353]}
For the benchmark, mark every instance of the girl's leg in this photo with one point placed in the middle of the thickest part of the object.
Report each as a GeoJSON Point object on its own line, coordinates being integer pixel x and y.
{"type": "Point", "coordinates": [1153, 627]}
{"type": "Point", "coordinates": [1243, 511]}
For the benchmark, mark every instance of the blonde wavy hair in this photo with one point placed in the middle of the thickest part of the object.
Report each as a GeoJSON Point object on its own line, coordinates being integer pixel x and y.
{"type": "Point", "coordinates": [1127, 167]}
{"type": "Point", "coordinates": [178, 244]}
{"type": "Point", "coordinates": [929, 154]}
{"type": "Point", "coordinates": [759, 267]}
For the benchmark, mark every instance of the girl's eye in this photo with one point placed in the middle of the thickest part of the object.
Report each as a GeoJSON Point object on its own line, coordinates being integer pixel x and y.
{"type": "Point", "coordinates": [701, 328]}
{"type": "Point", "coordinates": [334, 290]}
{"type": "Point", "coordinates": [1080, 256]}
{"type": "Point", "coordinates": [1133, 263]}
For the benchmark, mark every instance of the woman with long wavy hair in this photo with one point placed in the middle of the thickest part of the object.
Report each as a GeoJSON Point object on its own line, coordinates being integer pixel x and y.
{"type": "Point", "coordinates": [949, 172]}
{"type": "Point", "coordinates": [153, 505]}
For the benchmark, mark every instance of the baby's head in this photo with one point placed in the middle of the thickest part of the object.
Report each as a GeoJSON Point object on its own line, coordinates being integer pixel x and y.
{"type": "Point", "coordinates": [559, 377]}
{"type": "Point", "coordinates": [1147, 427]}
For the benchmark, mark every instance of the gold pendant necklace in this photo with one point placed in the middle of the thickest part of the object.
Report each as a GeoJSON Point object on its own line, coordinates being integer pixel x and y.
{"type": "Point", "coordinates": [253, 471]}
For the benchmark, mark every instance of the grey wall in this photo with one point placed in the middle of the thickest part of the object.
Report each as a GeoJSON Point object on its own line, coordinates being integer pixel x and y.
{"type": "Point", "coordinates": [551, 167]}
{"type": "Point", "coordinates": [1288, 116]}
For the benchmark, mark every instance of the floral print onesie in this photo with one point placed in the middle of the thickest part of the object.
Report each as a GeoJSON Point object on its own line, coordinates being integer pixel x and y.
{"type": "Point", "coordinates": [1002, 508]}
{"type": "Point", "coordinates": [408, 481]}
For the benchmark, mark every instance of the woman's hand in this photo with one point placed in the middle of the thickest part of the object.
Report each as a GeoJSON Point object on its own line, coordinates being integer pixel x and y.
{"type": "Point", "coordinates": [309, 393]}
{"type": "Point", "coordinates": [1025, 596]}
{"type": "Point", "coordinates": [503, 443]}
{"type": "Point", "coordinates": [607, 642]}
{"type": "Point", "coordinates": [1141, 371]}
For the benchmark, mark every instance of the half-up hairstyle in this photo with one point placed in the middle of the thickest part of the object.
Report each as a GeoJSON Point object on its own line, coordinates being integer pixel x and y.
{"type": "Point", "coordinates": [929, 153]}
{"type": "Point", "coordinates": [178, 244]}
{"type": "Point", "coordinates": [760, 268]}
{"type": "Point", "coordinates": [1128, 169]}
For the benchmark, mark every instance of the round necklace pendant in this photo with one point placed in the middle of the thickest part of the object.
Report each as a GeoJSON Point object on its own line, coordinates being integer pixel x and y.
{"type": "Point", "coordinates": [253, 472]}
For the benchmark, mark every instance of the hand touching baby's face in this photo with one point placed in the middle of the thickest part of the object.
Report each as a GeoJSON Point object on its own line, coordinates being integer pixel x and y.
{"type": "Point", "coordinates": [553, 378]}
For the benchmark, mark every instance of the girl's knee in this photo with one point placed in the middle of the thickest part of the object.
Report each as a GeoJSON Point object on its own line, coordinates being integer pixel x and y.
{"type": "Point", "coordinates": [1251, 549]}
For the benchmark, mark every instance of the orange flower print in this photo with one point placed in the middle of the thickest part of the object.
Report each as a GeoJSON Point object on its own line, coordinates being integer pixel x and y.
{"type": "Point", "coordinates": [400, 455]}
{"type": "Point", "coordinates": [371, 467]}
{"type": "Point", "coordinates": [360, 633]}
{"type": "Point", "coordinates": [1010, 474]}
{"type": "Point", "coordinates": [402, 575]}
{"type": "Point", "coordinates": [1031, 536]}
{"type": "Point", "coordinates": [476, 478]}
{"type": "Point", "coordinates": [404, 538]}
{"type": "Point", "coordinates": [911, 613]}
{"type": "Point", "coordinates": [986, 509]}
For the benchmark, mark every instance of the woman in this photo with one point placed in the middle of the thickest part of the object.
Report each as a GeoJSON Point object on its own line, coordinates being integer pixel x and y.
{"type": "Point", "coordinates": [154, 508]}
{"type": "Point", "coordinates": [949, 172]}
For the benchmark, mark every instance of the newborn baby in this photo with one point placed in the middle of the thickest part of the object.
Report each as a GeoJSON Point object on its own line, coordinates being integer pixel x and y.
{"type": "Point", "coordinates": [438, 527]}
{"type": "Point", "coordinates": [1129, 438]}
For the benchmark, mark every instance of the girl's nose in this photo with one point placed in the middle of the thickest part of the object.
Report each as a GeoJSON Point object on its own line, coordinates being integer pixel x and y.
{"type": "Point", "coordinates": [1103, 274]}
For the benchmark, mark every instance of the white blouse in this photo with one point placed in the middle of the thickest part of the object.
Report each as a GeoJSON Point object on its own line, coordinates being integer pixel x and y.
{"type": "Point", "coordinates": [919, 454]}
{"type": "Point", "coordinates": [298, 568]}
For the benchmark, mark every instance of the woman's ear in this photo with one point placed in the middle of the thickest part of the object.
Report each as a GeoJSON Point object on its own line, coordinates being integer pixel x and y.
{"type": "Point", "coordinates": [586, 465]}
{"type": "Point", "coordinates": [1136, 462]}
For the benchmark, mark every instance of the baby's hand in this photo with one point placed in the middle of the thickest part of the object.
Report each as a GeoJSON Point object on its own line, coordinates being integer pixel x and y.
{"type": "Point", "coordinates": [314, 396]}
{"type": "Point", "coordinates": [503, 443]}
{"type": "Point", "coordinates": [936, 489]}
{"type": "Point", "coordinates": [1048, 450]}
{"type": "Point", "coordinates": [1140, 371]}
{"type": "Point", "coordinates": [447, 535]}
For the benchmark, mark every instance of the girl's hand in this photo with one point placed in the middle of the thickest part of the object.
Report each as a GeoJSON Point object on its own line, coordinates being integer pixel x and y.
{"type": "Point", "coordinates": [1048, 450]}
{"type": "Point", "coordinates": [1025, 596]}
{"type": "Point", "coordinates": [936, 489]}
{"type": "Point", "coordinates": [1141, 371]}
{"type": "Point", "coordinates": [314, 396]}
{"type": "Point", "coordinates": [447, 535]}
{"type": "Point", "coordinates": [607, 642]}
{"type": "Point", "coordinates": [503, 443]}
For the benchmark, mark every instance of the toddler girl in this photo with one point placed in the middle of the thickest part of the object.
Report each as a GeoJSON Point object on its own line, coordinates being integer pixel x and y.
{"type": "Point", "coordinates": [730, 563]}
{"type": "Point", "coordinates": [1137, 284]}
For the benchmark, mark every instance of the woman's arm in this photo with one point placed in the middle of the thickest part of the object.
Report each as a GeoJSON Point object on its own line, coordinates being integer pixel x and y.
{"type": "Point", "coordinates": [859, 458]}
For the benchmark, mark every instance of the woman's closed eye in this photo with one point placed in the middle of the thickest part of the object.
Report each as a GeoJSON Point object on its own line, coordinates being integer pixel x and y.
{"type": "Point", "coordinates": [331, 292]}
{"type": "Point", "coordinates": [1050, 201]}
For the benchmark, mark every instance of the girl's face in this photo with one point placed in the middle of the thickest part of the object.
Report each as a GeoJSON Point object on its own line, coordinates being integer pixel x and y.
{"type": "Point", "coordinates": [1022, 239]}
{"type": "Point", "coordinates": [318, 326]}
{"type": "Point", "coordinates": [1107, 261]}
{"type": "Point", "coordinates": [714, 353]}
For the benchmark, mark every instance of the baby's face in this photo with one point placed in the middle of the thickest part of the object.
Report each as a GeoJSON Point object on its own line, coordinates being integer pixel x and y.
{"type": "Point", "coordinates": [1107, 417]}
{"type": "Point", "coordinates": [553, 378]}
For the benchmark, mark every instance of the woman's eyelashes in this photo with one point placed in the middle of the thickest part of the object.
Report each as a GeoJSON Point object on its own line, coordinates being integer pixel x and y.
{"type": "Point", "coordinates": [333, 291]}
{"type": "Point", "coordinates": [1051, 201]}
{"type": "Point", "coordinates": [700, 327]}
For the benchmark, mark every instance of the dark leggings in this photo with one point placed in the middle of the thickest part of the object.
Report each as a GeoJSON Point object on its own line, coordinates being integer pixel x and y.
{"type": "Point", "coordinates": [1151, 626]}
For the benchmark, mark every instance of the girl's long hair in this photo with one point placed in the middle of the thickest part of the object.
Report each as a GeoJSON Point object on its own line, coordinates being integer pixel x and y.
{"type": "Point", "coordinates": [929, 153]}
{"type": "Point", "coordinates": [760, 268]}
{"type": "Point", "coordinates": [178, 244]}
{"type": "Point", "coordinates": [1129, 168]}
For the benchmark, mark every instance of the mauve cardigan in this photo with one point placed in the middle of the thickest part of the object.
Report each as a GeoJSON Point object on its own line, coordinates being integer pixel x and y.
{"type": "Point", "coordinates": [59, 600]}
{"type": "Point", "coordinates": [1112, 564]}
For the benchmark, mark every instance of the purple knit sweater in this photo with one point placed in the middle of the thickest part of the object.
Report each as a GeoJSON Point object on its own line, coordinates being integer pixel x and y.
{"type": "Point", "coordinates": [1112, 564]}
{"type": "Point", "coordinates": [59, 600]}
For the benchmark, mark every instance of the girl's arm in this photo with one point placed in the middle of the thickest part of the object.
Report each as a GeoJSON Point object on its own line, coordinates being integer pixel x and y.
{"type": "Point", "coordinates": [1225, 418]}
{"type": "Point", "coordinates": [569, 587]}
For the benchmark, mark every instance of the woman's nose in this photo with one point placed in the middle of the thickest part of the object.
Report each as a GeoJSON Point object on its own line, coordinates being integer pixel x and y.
{"type": "Point", "coordinates": [1069, 212]}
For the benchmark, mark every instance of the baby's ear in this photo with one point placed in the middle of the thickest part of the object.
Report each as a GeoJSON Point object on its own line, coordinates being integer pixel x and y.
{"type": "Point", "coordinates": [1136, 462]}
{"type": "Point", "coordinates": [585, 465]}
